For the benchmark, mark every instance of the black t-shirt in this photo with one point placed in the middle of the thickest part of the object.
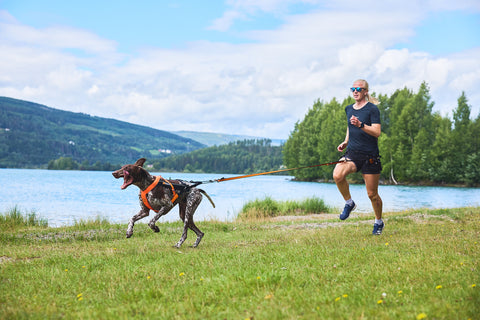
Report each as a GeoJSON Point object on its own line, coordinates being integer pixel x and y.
{"type": "Point", "coordinates": [359, 141]}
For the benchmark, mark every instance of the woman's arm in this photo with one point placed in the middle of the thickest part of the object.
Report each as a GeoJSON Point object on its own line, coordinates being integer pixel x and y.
{"type": "Point", "coordinates": [374, 130]}
{"type": "Point", "coordinates": [344, 144]}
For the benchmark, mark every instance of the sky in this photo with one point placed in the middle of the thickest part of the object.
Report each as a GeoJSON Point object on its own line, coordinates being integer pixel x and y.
{"type": "Point", "coordinates": [234, 66]}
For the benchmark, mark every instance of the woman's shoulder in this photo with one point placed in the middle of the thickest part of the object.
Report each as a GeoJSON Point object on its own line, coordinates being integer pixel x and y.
{"type": "Point", "coordinates": [371, 106]}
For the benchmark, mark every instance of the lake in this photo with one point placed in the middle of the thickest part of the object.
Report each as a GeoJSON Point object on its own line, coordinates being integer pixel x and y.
{"type": "Point", "coordinates": [64, 197]}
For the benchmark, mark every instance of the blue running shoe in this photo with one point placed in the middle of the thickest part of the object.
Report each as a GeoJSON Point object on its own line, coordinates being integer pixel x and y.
{"type": "Point", "coordinates": [346, 211]}
{"type": "Point", "coordinates": [378, 228]}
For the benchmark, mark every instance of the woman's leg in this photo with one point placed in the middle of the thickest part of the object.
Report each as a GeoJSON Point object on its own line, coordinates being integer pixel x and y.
{"type": "Point", "coordinates": [371, 183]}
{"type": "Point", "coordinates": [340, 173]}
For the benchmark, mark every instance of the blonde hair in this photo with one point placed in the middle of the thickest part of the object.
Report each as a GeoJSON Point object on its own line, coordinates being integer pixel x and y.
{"type": "Point", "coordinates": [369, 97]}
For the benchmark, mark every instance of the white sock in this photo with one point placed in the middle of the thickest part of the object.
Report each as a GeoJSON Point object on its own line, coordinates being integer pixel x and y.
{"type": "Point", "coordinates": [349, 202]}
{"type": "Point", "coordinates": [378, 221]}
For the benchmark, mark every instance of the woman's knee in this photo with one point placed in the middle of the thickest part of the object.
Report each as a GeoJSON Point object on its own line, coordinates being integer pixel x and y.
{"type": "Point", "coordinates": [373, 195]}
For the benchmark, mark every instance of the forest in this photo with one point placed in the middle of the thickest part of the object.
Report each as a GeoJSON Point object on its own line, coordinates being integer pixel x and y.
{"type": "Point", "coordinates": [417, 145]}
{"type": "Point", "coordinates": [243, 156]}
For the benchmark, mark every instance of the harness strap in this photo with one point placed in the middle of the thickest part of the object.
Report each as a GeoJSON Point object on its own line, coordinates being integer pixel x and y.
{"type": "Point", "coordinates": [150, 188]}
{"type": "Point", "coordinates": [175, 195]}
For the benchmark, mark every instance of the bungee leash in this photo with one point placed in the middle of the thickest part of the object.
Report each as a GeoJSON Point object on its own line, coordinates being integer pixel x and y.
{"type": "Point", "coordinates": [196, 183]}
{"type": "Point", "coordinates": [191, 184]}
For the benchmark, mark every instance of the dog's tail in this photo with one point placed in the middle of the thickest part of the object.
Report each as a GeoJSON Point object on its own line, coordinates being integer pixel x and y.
{"type": "Point", "coordinates": [206, 194]}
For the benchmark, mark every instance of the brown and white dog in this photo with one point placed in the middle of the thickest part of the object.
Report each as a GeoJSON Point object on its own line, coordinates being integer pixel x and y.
{"type": "Point", "coordinates": [161, 198]}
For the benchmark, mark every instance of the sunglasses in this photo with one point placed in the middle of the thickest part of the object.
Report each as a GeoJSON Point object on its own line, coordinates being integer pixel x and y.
{"type": "Point", "coordinates": [358, 89]}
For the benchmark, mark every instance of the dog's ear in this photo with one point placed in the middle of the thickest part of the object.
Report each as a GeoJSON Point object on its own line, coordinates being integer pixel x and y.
{"type": "Point", "coordinates": [140, 162]}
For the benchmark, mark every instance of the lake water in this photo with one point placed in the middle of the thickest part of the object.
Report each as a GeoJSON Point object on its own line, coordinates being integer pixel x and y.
{"type": "Point", "coordinates": [64, 197]}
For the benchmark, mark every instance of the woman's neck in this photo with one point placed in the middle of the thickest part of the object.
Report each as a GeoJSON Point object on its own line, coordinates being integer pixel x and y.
{"type": "Point", "coordinates": [360, 104]}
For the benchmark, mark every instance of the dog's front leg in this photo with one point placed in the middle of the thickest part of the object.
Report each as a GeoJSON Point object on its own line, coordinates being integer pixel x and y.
{"type": "Point", "coordinates": [161, 212]}
{"type": "Point", "coordinates": [141, 214]}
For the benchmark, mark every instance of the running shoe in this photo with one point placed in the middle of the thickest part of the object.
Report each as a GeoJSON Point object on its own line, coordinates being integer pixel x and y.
{"type": "Point", "coordinates": [378, 228]}
{"type": "Point", "coordinates": [346, 211]}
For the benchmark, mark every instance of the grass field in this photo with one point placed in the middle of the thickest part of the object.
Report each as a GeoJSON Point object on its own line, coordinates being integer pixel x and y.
{"type": "Point", "coordinates": [424, 266]}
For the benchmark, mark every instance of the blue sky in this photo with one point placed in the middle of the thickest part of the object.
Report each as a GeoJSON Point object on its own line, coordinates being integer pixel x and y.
{"type": "Point", "coordinates": [237, 66]}
{"type": "Point", "coordinates": [446, 32]}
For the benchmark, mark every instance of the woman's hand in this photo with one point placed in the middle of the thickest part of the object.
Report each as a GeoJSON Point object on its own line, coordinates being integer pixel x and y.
{"type": "Point", "coordinates": [342, 146]}
{"type": "Point", "coordinates": [355, 122]}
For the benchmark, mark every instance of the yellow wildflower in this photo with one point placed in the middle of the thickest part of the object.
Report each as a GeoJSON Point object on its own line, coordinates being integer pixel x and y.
{"type": "Point", "coordinates": [182, 274]}
{"type": "Point", "coordinates": [421, 316]}
{"type": "Point", "coordinates": [438, 287]}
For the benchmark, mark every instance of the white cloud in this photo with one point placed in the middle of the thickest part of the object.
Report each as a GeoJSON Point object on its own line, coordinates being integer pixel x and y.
{"type": "Point", "coordinates": [260, 88]}
{"type": "Point", "coordinates": [226, 21]}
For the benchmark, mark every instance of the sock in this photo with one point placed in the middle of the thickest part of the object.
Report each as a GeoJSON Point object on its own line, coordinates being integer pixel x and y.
{"type": "Point", "coordinates": [378, 221]}
{"type": "Point", "coordinates": [349, 202]}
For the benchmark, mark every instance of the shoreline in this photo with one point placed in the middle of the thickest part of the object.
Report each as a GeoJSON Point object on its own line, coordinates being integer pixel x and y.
{"type": "Point", "coordinates": [383, 182]}
{"type": "Point", "coordinates": [400, 184]}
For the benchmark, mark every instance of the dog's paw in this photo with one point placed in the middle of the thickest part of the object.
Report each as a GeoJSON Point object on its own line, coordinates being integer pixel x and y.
{"type": "Point", "coordinates": [153, 227]}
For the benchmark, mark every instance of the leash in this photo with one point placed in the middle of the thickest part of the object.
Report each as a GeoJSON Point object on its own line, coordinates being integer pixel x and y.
{"type": "Point", "coordinates": [268, 172]}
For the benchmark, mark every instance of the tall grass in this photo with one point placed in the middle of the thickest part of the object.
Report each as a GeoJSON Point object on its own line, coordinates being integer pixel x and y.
{"type": "Point", "coordinates": [264, 208]}
{"type": "Point", "coordinates": [14, 219]}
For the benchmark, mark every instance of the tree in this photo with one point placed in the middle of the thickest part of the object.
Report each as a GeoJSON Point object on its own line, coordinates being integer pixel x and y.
{"type": "Point", "coordinates": [416, 144]}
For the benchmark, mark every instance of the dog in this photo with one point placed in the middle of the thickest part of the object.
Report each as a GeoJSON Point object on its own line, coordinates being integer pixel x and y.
{"type": "Point", "coordinates": [162, 197]}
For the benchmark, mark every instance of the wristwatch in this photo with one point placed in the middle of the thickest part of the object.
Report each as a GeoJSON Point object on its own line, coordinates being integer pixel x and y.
{"type": "Point", "coordinates": [362, 125]}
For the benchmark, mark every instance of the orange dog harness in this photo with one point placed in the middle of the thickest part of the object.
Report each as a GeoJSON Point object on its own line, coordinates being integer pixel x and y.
{"type": "Point", "coordinates": [150, 188]}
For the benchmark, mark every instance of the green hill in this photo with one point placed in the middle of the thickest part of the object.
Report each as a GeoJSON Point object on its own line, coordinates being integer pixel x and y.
{"type": "Point", "coordinates": [31, 135]}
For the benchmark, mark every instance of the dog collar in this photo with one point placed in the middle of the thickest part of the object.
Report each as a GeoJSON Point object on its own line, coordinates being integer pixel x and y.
{"type": "Point", "coordinates": [150, 188]}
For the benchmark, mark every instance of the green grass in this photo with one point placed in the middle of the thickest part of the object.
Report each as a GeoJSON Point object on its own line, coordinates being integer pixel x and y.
{"type": "Point", "coordinates": [264, 208]}
{"type": "Point", "coordinates": [425, 264]}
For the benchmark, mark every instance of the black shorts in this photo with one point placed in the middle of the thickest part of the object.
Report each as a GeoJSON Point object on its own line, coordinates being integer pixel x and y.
{"type": "Point", "coordinates": [367, 164]}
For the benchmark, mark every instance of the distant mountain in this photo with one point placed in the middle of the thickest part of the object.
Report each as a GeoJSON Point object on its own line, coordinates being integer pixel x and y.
{"type": "Point", "coordinates": [32, 134]}
{"type": "Point", "coordinates": [217, 139]}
